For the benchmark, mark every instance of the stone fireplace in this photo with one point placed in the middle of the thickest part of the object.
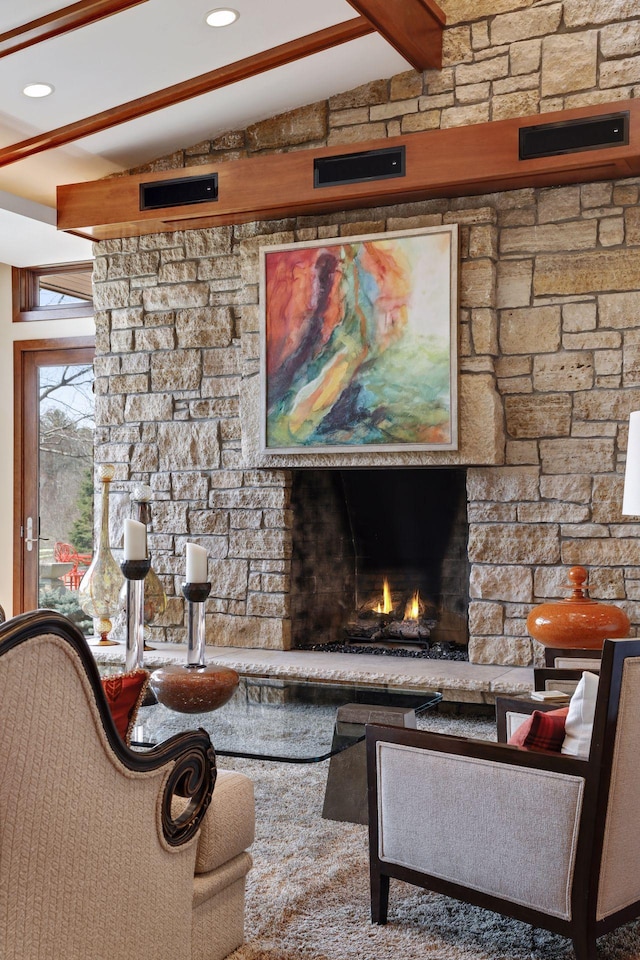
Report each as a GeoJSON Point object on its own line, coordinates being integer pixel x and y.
{"type": "Point", "coordinates": [355, 530]}
{"type": "Point", "coordinates": [548, 347]}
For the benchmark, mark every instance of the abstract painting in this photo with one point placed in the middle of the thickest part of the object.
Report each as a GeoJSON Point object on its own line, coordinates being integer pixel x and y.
{"type": "Point", "coordinates": [359, 344]}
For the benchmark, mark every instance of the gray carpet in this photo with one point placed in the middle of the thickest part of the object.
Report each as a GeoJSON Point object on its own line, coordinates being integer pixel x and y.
{"type": "Point", "coordinates": [308, 893]}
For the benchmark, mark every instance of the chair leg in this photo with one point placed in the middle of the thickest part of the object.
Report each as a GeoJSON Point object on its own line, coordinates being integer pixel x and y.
{"type": "Point", "coordinates": [584, 946]}
{"type": "Point", "coordinates": [379, 896]}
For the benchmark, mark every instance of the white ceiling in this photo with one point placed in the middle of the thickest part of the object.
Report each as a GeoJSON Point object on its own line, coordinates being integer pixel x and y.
{"type": "Point", "coordinates": [135, 53]}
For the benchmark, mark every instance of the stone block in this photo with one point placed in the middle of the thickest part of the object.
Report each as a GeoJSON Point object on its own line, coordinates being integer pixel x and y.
{"type": "Point", "coordinates": [502, 484]}
{"type": "Point", "coordinates": [521, 103]}
{"type": "Point", "coordinates": [572, 455]}
{"type": "Point", "coordinates": [570, 62]}
{"type": "Point", "coordinates": [204, 327]}
{"type": "Point", "coordinates": [229, 579]}
{"type": "Point", "coordinates": [577, 317]}
{"type": "Point", "coordinates": [302, 125]}
{"type": "Point", "coordinates": [259, 544]}
{"type": "Point", "coordinates": [486, 618]}
{"type": "Point", "coordinates": [366, 95]}
{"type": "Point", "coordinates": [175, 295]}
{"type": "Point", "coordinates": [151, 407]}
{"type": "Point", "coordinates": [606, 503]}
{"type": "Point", "coordinates": [547, 415]}
{"type": "Point", "coordinates": [491, 512]}
{"type": "Point", "coordinates": [509, 651]}
{"type": "Point", "coordinates": [265, 633]}
{"type": "Point", "coordinates": [559, 203]}
{"type": "Point", "coordinates": [111, 295]}
{"type": "Point", "coordinates": [477, 283]}
{"type": "Point", "coordinates": [525, 56]}
{"type": "Point", "coordinates": [456, 45]}
{"type": "Point", "coordinates": [576, 273]}
{"type": "Point", "coordinates": [463, 116]}
{"type": "Point", "coordinates": [568, 489]}
{"type": "Point", "coordinates": [514, 543]}
{"type": "Point", "coordinates": [188, 445]}
{"type": "Point", "coordinates": [619, 310]}
{"type": "Point", "coordinates": [530, 330]}
{"type": "Point", "coordinates": [357, 133]}
{"type": "Point", "coordinates": [156, 338]}
{"type": "Point", "coordinates": [514, 279]}
{"type": "Point", "coordinates": [521, 452]}
{"type": "Point", "coordinates": [606, 404]}
{"type": "Point", "coordinates": [580, 13]}
{"type": "Point", "coordinates": [572, 235]}
{"type": "Point", "coordinates": [395, 108]}
{"type": "Point", "coordinates": [267, 605]}
{"type": "Point", "coordinates": [521, 25]}
{"type": "Point", "coordinates": [548, 512]}
{"type": "Point", "coordinates": [491, 69]}
{"type": "Point", "coordinates": [618, 72]}
{"type": "Point", "coordinates": [609, 552]}
{"type": "Point", "coordinates": [564, 371]}
{"type": "Point", "coordinates": [473, 93]}
{"type": "Point", "coordinates": [213, 242]}
{"type": "Point", "coordinates": [611, 232]}
{"type": "Point", "coordinates": [405, 85]}
{"type": "Point", "coordinates": [176, 370]}
{"type": "Point", "coordinates": [484, 331]}
{"type": "Point", "coordinates": [190, 486]}
{"type": "Point", "coordinates": [425, 120]}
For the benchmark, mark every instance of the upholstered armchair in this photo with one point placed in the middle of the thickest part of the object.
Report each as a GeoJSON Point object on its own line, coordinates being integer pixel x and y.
{"type": "Point", "coordinates": [105, 852]}
{"type": "Point", "coordinates": [547, 838]}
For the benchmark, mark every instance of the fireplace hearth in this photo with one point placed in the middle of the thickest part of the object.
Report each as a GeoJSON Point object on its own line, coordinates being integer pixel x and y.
{"type": "Point", "coordinates": [379, 561]}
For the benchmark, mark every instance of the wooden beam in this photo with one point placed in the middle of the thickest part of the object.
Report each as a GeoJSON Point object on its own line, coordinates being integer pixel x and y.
{"type": "Point", "coordinates": [413, 27]}
{"type": "Point", "coordinates": [61, 21]}
{"type": "Point", "coordinates": [205, 83]}
{"type": "Point", "coordinates": [453, 162]}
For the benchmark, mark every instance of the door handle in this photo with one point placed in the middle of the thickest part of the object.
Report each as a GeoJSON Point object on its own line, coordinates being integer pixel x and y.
{"type": "Point", "coordinates": [30, 539]}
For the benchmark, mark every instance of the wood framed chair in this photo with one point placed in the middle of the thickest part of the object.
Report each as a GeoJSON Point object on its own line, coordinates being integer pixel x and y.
{"type": "Point", "coordinates": [106, 852]}
{"type": "Point", "coordinates": [462, 817]}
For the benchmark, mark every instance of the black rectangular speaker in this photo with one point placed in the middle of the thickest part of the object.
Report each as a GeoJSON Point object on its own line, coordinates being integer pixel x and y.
{"type": "Point", "coordinates": [175, 193]}
{"type": "Point", "coordinates": [572, 136]}
{"type": "Point", "coordinates": [358, 167]}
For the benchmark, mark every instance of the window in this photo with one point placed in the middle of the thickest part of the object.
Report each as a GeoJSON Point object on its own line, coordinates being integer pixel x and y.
{"type": "Point", "coordinates": [52, 292]}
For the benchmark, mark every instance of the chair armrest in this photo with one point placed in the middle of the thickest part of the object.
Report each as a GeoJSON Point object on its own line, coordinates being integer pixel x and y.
{"type": "Point", "coordinates": [471, 813]}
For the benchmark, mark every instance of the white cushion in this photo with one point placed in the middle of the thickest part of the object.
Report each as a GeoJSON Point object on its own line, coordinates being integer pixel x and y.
{"type": "Point", "coordinates": [579, 724]}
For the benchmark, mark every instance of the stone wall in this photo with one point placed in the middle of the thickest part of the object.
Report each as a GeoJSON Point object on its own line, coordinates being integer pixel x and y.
{"type": "Point", "coordinates": [549, 340]}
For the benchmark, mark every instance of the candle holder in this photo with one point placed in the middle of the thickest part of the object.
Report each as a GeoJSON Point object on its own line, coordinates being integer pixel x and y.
{"type": "Point", "coordinates": [134, 572]}
{"type": "Point", "coordinates": [195, 594]}
{"type": "Point", "coordinates": [194, 687]}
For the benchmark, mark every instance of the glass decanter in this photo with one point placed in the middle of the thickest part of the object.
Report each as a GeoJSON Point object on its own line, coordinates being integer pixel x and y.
{"type": "Point", "coordinates": [99, 590]}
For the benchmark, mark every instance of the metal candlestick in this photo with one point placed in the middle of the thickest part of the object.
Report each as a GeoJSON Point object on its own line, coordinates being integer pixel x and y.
{"type": "Point", "coordinates": [135, 571]}
{"type": "Point", "coordinates": [195, 594]}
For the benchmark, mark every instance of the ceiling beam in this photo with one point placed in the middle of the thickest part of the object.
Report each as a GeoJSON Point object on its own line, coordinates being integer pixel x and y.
{"type": "Point", "coordinates": [413, 27]}
{"type": "Point", "coordinates": [187, 89]}
{"type": "Point", "coordinates": [451, 162]}
{"type": "Point", "coordinates": [61, 21]}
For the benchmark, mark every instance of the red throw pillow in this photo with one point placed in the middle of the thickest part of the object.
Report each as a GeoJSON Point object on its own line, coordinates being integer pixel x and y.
{"type": "Point", "coordinates": [542, 730]}
{"type": "Point", "coordinates": [125, 693]}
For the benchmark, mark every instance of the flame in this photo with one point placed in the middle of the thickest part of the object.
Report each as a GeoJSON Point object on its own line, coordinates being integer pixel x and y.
{"type": "Point", "coordinates": [386, 606]}
{"type": "Point", "coordinates": [412, 609]}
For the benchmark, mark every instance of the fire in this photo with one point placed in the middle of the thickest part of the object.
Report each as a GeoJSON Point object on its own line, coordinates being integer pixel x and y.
{"type": "Point", "coordinates": [412, 609]}
{"type": "Point", "coordinates": [386, 606]}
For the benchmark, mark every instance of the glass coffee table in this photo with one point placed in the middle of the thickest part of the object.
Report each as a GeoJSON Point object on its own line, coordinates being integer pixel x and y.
{"type": "Point", "coordinates": [291, 721]}
{"type": "Point", "coordinates": [297, 721]}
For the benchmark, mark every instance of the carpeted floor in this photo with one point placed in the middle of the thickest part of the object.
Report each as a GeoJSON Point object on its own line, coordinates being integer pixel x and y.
{"type": "Point", "coordinates": [308, 893]}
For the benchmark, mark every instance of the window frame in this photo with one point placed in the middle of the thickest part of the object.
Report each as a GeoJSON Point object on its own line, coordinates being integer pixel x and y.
{"type": "Point", "coordinates": [25, 284]}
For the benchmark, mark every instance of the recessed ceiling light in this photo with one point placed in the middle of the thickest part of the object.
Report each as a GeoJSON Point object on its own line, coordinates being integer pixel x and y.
{"type": "Point", "coordinates": [37, 90]}
{"type": "Point", "coordinates": [221, 17]}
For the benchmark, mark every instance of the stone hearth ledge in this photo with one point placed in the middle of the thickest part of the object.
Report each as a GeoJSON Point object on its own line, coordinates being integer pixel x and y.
{"type": "Point", "coordinates": [459, 682]}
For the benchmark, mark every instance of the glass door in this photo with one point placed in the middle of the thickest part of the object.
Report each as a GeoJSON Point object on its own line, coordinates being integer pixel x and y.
{"type": "Point", "coordinates": [54, 474]}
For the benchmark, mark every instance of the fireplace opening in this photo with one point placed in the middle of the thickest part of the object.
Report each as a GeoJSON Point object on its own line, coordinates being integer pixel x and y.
{"type": "Point", "coordinates": [379, 560]}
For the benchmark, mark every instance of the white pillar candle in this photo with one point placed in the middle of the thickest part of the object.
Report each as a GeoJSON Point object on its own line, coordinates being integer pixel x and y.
{"type": "Point", "coordinates": [631, 496]}
{"type": "Point", "coordinates": [196, 564]}
{"type": "Point", "coordinates": [135, 540]}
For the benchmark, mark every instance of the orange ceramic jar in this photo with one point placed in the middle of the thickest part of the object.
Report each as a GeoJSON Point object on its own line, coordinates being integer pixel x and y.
{"type": "Point", "coordinates": [577, 621]}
